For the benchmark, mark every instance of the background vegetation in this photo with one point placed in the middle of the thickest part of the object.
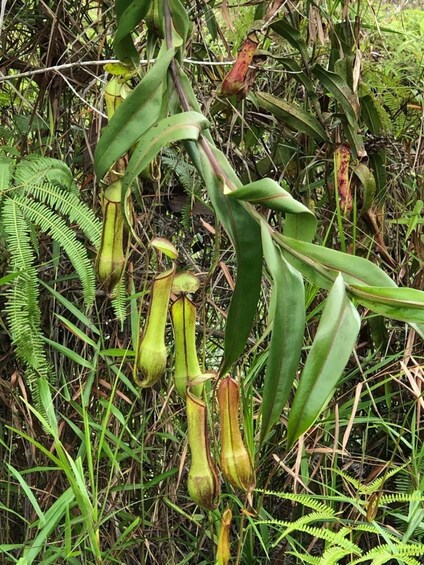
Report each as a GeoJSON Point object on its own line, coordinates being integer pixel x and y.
{"type": "Point", "coordinates": [93, 470]}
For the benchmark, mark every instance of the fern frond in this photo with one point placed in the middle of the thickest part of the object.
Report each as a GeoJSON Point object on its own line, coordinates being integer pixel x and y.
{"type": "Point", "coordinates": [71, 206]}
{"type": "Point", "coordinates": [119, 301]}
{"type": "Point", "coordinates": [377, 484]}
{"type": "Point", "coordinates": [411, 561]}
{"type": "Point", "coordinates": [304, 499]}
{"type": "Point", "coordinates": [184, 171]}
{"type": "Point", "coordinates": [55, 226]}
{"type": "Point", "coordinates": [334, 538]}
{"type": "Point", "coordinates": [22, 307]}
{"type": "Point", "coordinates": [35, 170]}
{"type": "Point", "coordinates": [332, 555]}
{"type": "Point", "coordinates": [401, 497]}
{"type": "Point", "coordinates": [305, 557]}
{"type": "Point", "coordinates": [50, 181]}
{"type": "Point", "coordinates": [385, 553]}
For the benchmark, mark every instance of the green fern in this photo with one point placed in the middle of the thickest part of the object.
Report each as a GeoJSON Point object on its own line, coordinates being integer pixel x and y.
{"type": "Point", "coordinates": [385, 553]}
{"type": "Point", "coordinates": [303, 499]}
{"type": "Point", "coordinates": [325, 524]}
{"type": "Point", "coordinates": [120, 301]}
{"type": "Point", "coordinates": [38, 195]}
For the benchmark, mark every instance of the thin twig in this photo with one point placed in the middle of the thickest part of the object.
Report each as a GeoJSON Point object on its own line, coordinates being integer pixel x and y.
{"type": "Point", "coordinates": [58, 68]}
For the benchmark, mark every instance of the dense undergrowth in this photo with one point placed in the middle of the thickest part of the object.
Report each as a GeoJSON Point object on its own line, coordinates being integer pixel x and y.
{"type": "Point", "coordinates": [93, 469]}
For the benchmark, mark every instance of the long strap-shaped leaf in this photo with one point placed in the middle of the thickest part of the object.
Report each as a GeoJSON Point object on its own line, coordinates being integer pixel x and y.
{"type": "Point", "coordinates": [321, 265]}
{"type": "Point", "coordinates": [186, 125]}
{"type": "Point", "coordinates": [129, 14]}
{"type": "Point", "coordinates": [138, 112]}
{"type": "Point", "coordinates": [330, 351]}
{"type": "Point", "coordinates": [341, 91]}
{"type": "Point", "coordinates": [300, 222]}
{"type": "Point", "coordinates": [293, 116]}
{"type": "Point", "coordinates": [404, 304]}
{"type": "Point", "coordinates": [287, 333]}
{"type": "Point", "coordinates": [245, 236]}
{"type": "Point", "coordinates": [366, 282]}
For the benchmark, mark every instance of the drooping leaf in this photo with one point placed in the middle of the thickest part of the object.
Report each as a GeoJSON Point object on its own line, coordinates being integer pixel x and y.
{"type": "Point", "coordinates": [210, 21]}
{"type": "Point", "coordinates": [138, 112]}
{"type": "Point", "coordinates": [293, 67]}
{"type": "Point", "coordinates": [353, 136]}
{"type": "Point", "coordinates": [336, 86]}
{"type": "Point", "coordinates": [287, 333]}
{"type": "Point", "coordinates": [293, 116]}
{"type": "Point", "coordinates": [321, 265]}
{"type": "Point", "coordinates": [368, 184]}
{"type": "Point", "coordinates": [371, 115]}
{"type": "Point", "coordinates": [245, 236]}
{"type": "Point", "coordinates": [377, 164]}
{"type": "Point", "coordinates": [292, 35]}
{"type": "Point", "coordinates": [404, 304]}
{"type": "Point", "coordinates": [129, 15]}
{"type": "Point", "coordinates": [266, 192]}
{"type": "Point", "coordinates": [328, 356]}
{"type": "Point", "coordinates": [180, 19]}
{"type": "Point", "coordinates": [186, 125]}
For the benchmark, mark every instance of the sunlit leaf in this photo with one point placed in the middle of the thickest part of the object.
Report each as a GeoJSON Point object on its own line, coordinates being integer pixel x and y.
{"type": "Point", "coordinates": [245, 235]}
{"type": "Point", "coordinates": [138, 112]}
{"type": "Point", "coordinates": [287, 333]}
{"type": "Point", "coordinates": [129, 15]}
{"type": "Point", "coordinates": [336, 335]}
{"type": "Point", "coordinates": [321, 266]}
{"type": "Point", "coordinates": [186, 125]}
{"type": "Point", "coordinates": [404, 304]}
{"type": "Point", "coordinates": [266, 192]}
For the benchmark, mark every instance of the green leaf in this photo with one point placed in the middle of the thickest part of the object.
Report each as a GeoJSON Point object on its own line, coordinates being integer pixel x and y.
{"type": "Point", "coordinates": [72, 355]}
{"type": "Point", "coordinates": [46, 402]}
{"type": "Point", "coordinates": [416, 218]}
{"type": "Point", "coordinates": [138, 112]}
{"type": "Point", "coordinates": [336, 335]}
{"type": "Point", "coordinates": [76, 331]}
{"type": "Point", "coordinates": [180, 19]}
{"type": "Point", "coordinates": [8, 278]}
{"type": "Point", "coordinates": [368, 184]}
{"type": "Point", "coordinates": [293, 68]}
{"type": "Point", "coordinates": [292, 35]}
{"type": "Point", "coordinates": [300, 221]}
{"type": "Point", "coordinates": [371, 115]}
{"type": "Point", "coordinates": [29, 495]}
{"type": "Point", "coordinates": [129, 15]}
{"type": "Point", "coordinates": [293, 116]}
{"type": "Point", "coordinates": [52, 517]}
{"type": "Point", "coordinates": [71, 308]}
{"type": "Point", "coordinates": [186, 125]}
{"type": "Point", "coordinates": [321, 266]}
{"type": "Point", "coordinates": [404, 304]}
{"type": "Point", "coordinates": [245, 236]}
{"type": "Point", "coordinates": [377, 163]}
{"type": "Point", "coordinates": [6, 168]}
{"type": "Point", "coordinates": [353, 136]}
{"type": "Point", "coordinates": [336, 86]}
{"type": "Point", "coordinates": [287, 333]}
